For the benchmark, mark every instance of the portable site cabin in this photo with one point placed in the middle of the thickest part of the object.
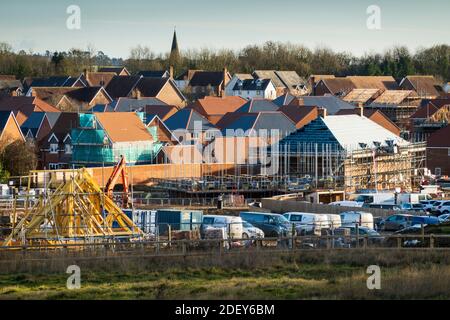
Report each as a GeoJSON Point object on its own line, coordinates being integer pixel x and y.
{"type": "Point", "coordinates": [183, 220]}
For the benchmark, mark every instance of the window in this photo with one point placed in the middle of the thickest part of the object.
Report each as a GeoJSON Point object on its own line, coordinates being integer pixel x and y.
{"type": "Point", "coordinates": [68, 148]}
{"type": "Point", "coordinates": [53, 148]}
{"type": "Point", "coordinates": [437, 171]}
{"type": "Point", "coordinates": [53, 166]}
{"type": "Point", "coordinates": [448, 152]}
{"type": "Point", "coordinates": [258, 92]}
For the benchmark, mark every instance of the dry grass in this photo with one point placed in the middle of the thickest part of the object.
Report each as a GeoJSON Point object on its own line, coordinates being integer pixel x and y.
{"type": "Point", "coordinates": [307, 275]}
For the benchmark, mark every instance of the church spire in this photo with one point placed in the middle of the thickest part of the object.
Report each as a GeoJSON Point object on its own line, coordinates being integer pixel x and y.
{"type": "Point", "coordinates": [175, 57]}
{"type": "Point", "coordinates": [174, 50]}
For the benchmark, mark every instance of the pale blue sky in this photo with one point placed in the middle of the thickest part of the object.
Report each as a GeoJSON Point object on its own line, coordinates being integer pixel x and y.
{"type": "Point", "coordinates": [115, 26]}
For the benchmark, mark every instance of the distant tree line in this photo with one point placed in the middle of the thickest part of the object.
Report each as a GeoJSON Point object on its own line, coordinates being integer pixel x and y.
{"type": "Point", "coordinates": [398, 61]}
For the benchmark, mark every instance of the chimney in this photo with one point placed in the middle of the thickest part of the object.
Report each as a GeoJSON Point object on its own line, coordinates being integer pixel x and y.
{"type": "Point", "coordinates": [171, 72]}
{"type": "Point", "coordinates": [322, 112]}
{"type": "Point", "coordinates": [224, 81]}
{"type": "Point", "coordinates": [312, 83]}
{"type": "Point", "coordinates": [360, 109]}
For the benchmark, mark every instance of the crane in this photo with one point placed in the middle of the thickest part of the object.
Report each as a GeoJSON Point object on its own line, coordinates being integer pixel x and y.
{"type": "Point", "coordinates": [119, 170]}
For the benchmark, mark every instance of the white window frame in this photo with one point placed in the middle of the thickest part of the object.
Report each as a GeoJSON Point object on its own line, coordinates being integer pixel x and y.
{"type": "Point", "coordinates": [66, 148]}
{"type": "Point", "coordinates": [52, 148]}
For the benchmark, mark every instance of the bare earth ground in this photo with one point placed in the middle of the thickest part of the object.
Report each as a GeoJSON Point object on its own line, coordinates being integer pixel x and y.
{"type": "Point", "coordinates": [306, 275]}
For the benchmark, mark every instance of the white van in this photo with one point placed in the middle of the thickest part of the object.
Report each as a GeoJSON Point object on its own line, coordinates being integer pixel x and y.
{"type": "Point", "coordinates": [363, 219]}
{"type": "Point", "coordinates": [232, 225]}
{"type": "Point", "coordinates": [334, 221]}
{"type": "Point", "coordinates": [308, 223]}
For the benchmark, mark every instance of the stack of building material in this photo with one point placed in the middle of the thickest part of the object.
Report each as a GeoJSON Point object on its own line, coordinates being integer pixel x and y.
{"type": "Point", "coordinates": [77, 210]}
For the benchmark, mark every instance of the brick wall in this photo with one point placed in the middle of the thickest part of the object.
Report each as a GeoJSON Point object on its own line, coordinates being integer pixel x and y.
{"type": "Point", "coordinates": [438, 158]}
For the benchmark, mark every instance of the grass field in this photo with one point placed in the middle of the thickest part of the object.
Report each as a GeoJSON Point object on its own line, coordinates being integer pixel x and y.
{"type": "Point", "coordinates": [327, 277]}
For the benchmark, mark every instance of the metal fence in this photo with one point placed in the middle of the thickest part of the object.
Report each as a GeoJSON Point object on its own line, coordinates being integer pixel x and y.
{"type": "Point", "coordinates": [234, 236]}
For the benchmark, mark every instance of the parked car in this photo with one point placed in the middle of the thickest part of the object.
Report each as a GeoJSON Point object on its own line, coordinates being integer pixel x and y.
{"type": "Point", "coordinates": [443, 207]}
{"type": "Point", "coordinates": [427, 204]}
{"type": "Point", "coordinates": [372, 236]}
{"type": "Point", "coordinates": [273, 225]}
{"type": "Point", "coordinates": [436, 204]}
{"type": "Point", "coordinates": [351, 218]}
{"type": "Point", "coordinates": [231, 224]}
{"type": "Point", "coordinates": [416, 207]}
{"type": "Point", "coordinates": [381, 206]}
{"type": "Point", "coordinates": [425, 220]}
{"type": "Point", "coordinates": [397, 222]}
{"type": "Point", "coordinates": [346, 204]}
{"type": "Point", "coordinates": [334, 221]}
{"type": "Point", "coordinates": [251, 232]}
{"type": "Point", "coordinates": [308, 223]}
{"type": "Point", "coordinates": [444, 217]}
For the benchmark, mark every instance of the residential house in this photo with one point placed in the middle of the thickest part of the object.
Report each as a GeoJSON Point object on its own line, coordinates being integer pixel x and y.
{"type": "Point", "coordinates": [326, 147]}
{"type": "Point", "coordinates": [362, 97]}
{"type": "Point", "coordinates": [398, 106]}
{"type": "Point", "coordinates": [341, 86]}
{"type": "Point", "coordinates": [98, 79]}
{"type": "Point", "coordinates": [237, 76]}
{"type": "Point", "coordinates": [155, 74]}
{"type": "Point", "coordinates": [55, 81]}
{"type": "Point", "coordinates": [426, 87]}
{"type": "Point", "coordinates": [283, 81]}
{"type": "Point", "coordinates": [375, 115]}
{"type": "Point", "coordinates": [72, 99]}
{"type": "Point", "coordinates": [164, 112]}
{"type": "Point", "coordinates": [159, 130]}
{"type": "Point", "coordinates": [314, 79]}
{"type": "Point", "coordinates": [301, 115]}
{"type": "Point", "coordinates": [131, 104]}
{"type": "Point", "coordinates": [38, 125]}
{"type": "Point", "coordinates": [266, 124]}
{"type": "Point", "coordinates": [9, 129]}
{"type": "Point", "coordinates": [251, 106]}
{"type": "Point", "coordinates": [119, 71]}
{"type": "Point", "coordinates": [23, 107]}
{"type": "Point", "coordinates": [214, 108]}
{"type": "Point", "coordinates": [10, 86]}
{"type": "Point", "coordinates": [190, 127]}
{"type": "Point", "coordinates": [258, 105]}
{"type": "Point", "coordinates": [329, 103]}
{"type": "Point", "coordinates": [55, 148]}
{"type": "Point", "coordinates": [438, 152]}
{"type": "Point", "coordinates": [102, 138]}
{"type": "Point", "coordinates": [429, 118]}
{"type": "Point", "coordinates": [255, 88]}
{"type": "Point", "coordinates": [139, 87]}
{"type": "Point", "coordinates": [199, 83]}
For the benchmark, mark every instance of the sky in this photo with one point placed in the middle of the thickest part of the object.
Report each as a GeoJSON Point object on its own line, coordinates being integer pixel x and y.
{"type": "Point", "coordinates": [116, 26]}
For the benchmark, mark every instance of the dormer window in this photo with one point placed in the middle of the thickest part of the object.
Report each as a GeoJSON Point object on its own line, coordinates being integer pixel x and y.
{"type": "Point", "coordinates": [53, 148]}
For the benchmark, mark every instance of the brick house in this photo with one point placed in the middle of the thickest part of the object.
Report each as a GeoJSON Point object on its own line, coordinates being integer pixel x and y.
{"type": "Point", "coordinates": [9, 129]}
{"type": "Point", "coordinates": [438, 152]}
{"type": "Point", "coordinates": [55, 148]}
{"type": "Point", "coordinates": [140, 87]}
{"type": "Point", "coordinates": [72, 99]}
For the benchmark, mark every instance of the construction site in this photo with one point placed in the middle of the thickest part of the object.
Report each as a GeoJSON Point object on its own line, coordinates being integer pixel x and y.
{"type": "Point", "coordinates": [87, 205]}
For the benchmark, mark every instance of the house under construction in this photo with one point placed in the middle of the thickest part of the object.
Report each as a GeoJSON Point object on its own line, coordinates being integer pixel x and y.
{"type": "Point", "coordinates": [351, 153]}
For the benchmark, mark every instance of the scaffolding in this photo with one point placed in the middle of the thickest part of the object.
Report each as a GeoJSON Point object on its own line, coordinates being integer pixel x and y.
{"type": "Point", "coordinates": [74, 211]}
{"type": "Point", "coordinates": [91, 146]}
